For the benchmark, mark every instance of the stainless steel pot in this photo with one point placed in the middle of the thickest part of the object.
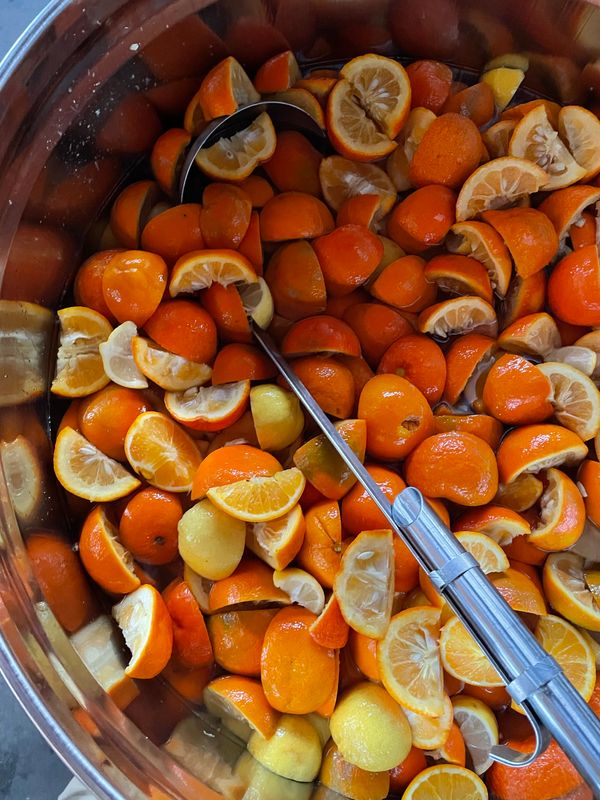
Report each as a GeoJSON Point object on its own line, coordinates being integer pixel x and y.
{"type": "Point", "coordinates": [83, 94]}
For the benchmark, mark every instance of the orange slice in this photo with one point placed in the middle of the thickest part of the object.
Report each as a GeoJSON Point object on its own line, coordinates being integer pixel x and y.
{"type": "Point", "coordinates": [161, 452]}
{"type": "Point", "coordinates": [409, 661]}
{"type": "Point", "coordinates": [209, 408]}
{"type": "Point", "coordinates": [481, 241]}
{"type": "Point", "coordinates": [533, 448]}
{"type": "Point", "coordinates": [488, 554]}
{"type": "Point", "coordinates": [117, 357]}
{"type": "Point", "coordinates": [225, 88]}
{"type": "Point", "coordinates": [498, 523]}
{"type": "Point", "coordinates": [398, 164]}
{"type": "Point", "coordinates": [301, 588]}
{"type": "Point", "coordinates": [532, 335]}
{"type": "Point", "coordinates": [457, 316]}
{"type": "Point", "coordinates": [260, 499]}
{"type": "Point", "coordinates": [201, 268]}
{"type": "Point", "coordinates": [382, 88]}
{"type": "Point", "coordinates": [234, 158]}
{"type": "Point", "coordinates": [446, 780]}
{"type": "Point", "coordinates": [277, 542]}
{"type": "Point", "coordinates": [479, 728]}
{"type": "Point", "coordinates": [463, 658]}
{"type": "Point", "coordinates": [562, 514]}
{"type": "Point", "coordinates": [564, 642]}
{"type": "Point", "coordinates": [580, 129]}
{"type": "Point", "coordinates": [565, 207]}
{"type": "Point", "coordinates": [567, 591]}
{"type": "Point", "coordinates": [535, 139]}
{"type": "Point", "coordinates": [22, 469]}
{"type": "Point", "coordinates": [86, 472]}
{"type": "Point", "coordinates": [364, 586]}
{"type": "Point", "coordinates": [148, 631]}
{"type": "Point", "coordinates": [429, 733]}
{"type": "Point", "coordinates": [351, 130]}
{"type": "Point", "coordinates": [243, 700]}
{"type": "Point", "coordinates": [575, 398]}
{"type": "Point", "coordinates": [341, 178]}
{"type": "Point", "coordinates": [519, 591]}
{"type": "Point", "coordinates": [497, 137]}
{"type": "Point", "coordinates": [104, 557]}
{"type": "Point", "coordinates": [79, 367]}
{"type": "Point", "coordinates": [171, 372]}
{"type": "Point", "coordinates": [499, 183]}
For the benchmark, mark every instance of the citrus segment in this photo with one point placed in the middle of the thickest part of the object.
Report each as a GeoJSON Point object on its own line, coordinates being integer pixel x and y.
{"type": "Point", "coordinates": [479, 729]}
{"type": "Point", "coordinates": [106, 560]}
{"type": "Point", "coordinates": [148, 631]}
{"type": "Point", "coordinates": [234, 158]}
{"type": "Point", "coordinates": [209, 408]}
{"type": "Point", "coordinates": [171, 372]}
{"type": "Point", "coordinates": [79, 367]}
{"type": "Point", "coordinates": [464, 658]}
{"type": "Point", "coordinates": [117, 357]}
{"type": "Point", "coordinates": [260, 499]}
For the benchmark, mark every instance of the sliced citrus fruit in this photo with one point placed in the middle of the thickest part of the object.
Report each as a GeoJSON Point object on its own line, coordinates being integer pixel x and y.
{"type": "Point", "coordinates": [479, 729]}
{"type": "Point", "coordinates": [532, 448]}
{"type": "Point", "coordinates": [298, 96]}
{"type": "Point", "coordinates": [146, 625]}
{"type": "Point", "coordinates": [25, 334]}
{"type": "Point", "coordinates": [535, 139]}
{"type": "Point", "coordinates": [575, 398]}
{"type": "Point", "coordinates": [382, 88]}
{"type": "Point", "coordinates": [280, 753]}
{"type": "Point", "coordinates": [446, 780]}
{"type": "Point", "coordinates": [574, 655]}
{"type": "Point", "coordinates": [330, 629]}
{"type": "Point", "coordinates": [301, 587]}
{"type": "Point", "coordinates": [500, 524]}
{"type": "Point", "coordinates": [87, 472]}
{"type": "Point", "coordinates": [351, 130]}
{"type": "Point", "coordinates": [171, 372]}
{"type": "Point", "coordinates": [520, 591]}
{"type": "Point", "coordinates": [201, 268]}
{"type": "Point", "coordinates": [242, 699]}
{"type": "Point", "coordinates": [161, 452]}
{"type": "Point", "coordinates": [409, 661]}
{"type": "Point", "coordinates": [117, 357]}
{"type": "Point", "coordinates": [481, 241]}
{"type": "Point", "coordinates": [277, 542]}
{"type": "Point", "coordinates": [453, 750]}
{"type": "Point", "coordinates": [457, 316]}
{"type": "Point", "coordinates": [234, 158]}
{"type": "Point", "coordinates": [209, 408]}
{"type": "Point", "coordinates": [504, 82]}
{"type": "Point", "coordinates": [565, 207]}
{"type": "Point", "coordinates": [567, 592]}
{"type": "Point", "coordinates": [497, 137]}
{"type": "Point", "coordinates": [364, 585]}
{"type": "Point", "coordinates": [580, 129]}
{"type": "Point", "coordinates": [260, 499]}
{"type": "Point", "coordinates": [258, 302]}
{"type": "Point", "coordinates": [106, 560]}
{"type": "Point", "coordinates": [342, 178]}
{"type": "Point", "coordinates": [346, 780]}
{"type": "Point", "coordinates": [562, 514]}
{"type": "Point", "coordinates": [79, 367]}
{"type": "Point", "coordinates": [583, 359]}
{"type": "Point", "coordinates": [249, 587]}
{"type": "Point", "coordinates": [520, 494]}
{"type": "Point", "coordinates": [499, 183]}
{"type": "Point", "coordinates": [23, 472]}
{"type": "Point", "coordinates": [463, 658]}
{"type": "Point", "coordinates": [210, 542]}
{"type": "Point", "coordinates": [398, 164]}
{"type": "Point", "coordinates": [277, 416]}
{"type": "Point", "coordinates": [488, 554]}
{"type": "Point", "coordinates": [533, 335]}
{"type": "Point", "coordinates": [225, 88]}
{"type": "Point", "coordinates": [429, 733]}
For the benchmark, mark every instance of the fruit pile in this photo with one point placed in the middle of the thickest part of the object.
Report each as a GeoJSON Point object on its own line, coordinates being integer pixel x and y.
{"type": "Point", "coordinates": [452, 333]}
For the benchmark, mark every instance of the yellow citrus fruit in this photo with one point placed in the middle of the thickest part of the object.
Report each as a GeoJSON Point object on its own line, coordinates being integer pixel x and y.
{"type": "Point", "coordinates": [447, 781]}
{"type": "Point", "coordinates": [210, 541]}
{"type": "Point", "coordinates": [277, 415]}
{"type": "Point", "coordinates": [294, 751]}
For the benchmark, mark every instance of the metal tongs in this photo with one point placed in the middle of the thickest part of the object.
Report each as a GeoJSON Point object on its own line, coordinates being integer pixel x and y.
{"type": "Point", "coordinates": [533, 678]}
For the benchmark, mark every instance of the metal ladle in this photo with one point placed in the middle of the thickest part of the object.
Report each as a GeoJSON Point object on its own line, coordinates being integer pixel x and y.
{"type": "Point", "coordinates": [533, 678]}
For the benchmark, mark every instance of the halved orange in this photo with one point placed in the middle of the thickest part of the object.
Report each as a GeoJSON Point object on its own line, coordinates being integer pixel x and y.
{"type": "Point", "coordinates": [499, 523]}
{"type": "Point", "coordinates": [533, 448]}
{"type": "Point", "coordinates": [520, 591]}
{"type": "Point", "coordinates": [278, 73]}
{"type": "Point", "coordinates": [532, 335]}
{"type": "Point", "coordinates": [236, 157]}
{"type": "Point", "coordinates": [171, 372]}
{"type": "Point", "coordinates": [457, 274]}
{"type": "Point", "coordinates": [567, 592]}
{"type": "Point", "coordinates": [209, 408]}
{"type": "Point", "coordinates": [580, 129]}
{"type": "Point", "coordinates": [575, 398]}
{"type": "Point", "coordinates": [79, 367]}
{"type": "Point", "coordinates": [148, 631]}
{"type": "Point", "coordinates": [242, 699]}
{"type": "Point", "coordinates": [446, 780]}
{"type": "Point", "coordinates": [457, 316]}
{"type": "Point", "coordinates": [342, 178]}
{"type": "Point", "coordinates": [277, 542]}
{"type": "Point", "coordinates": [565, 206]}
{"type": "Point", "coordinates": [249, 586]}
{"type": "Point", "coordinates": [351, 130]}
{"type": "Point", "coordinates": [260, 499]}
{"type": "Point", "coordinates": [201, 268]}
{"type": "Point", "coordinates": [562, 514]}
{"type": "Point", "coordinates": [104, 557]}
{"type": "Point", "coordinates": [234, 462]}
{"type": "Point", "coordinates": [481, 241]}
{"type": "Point", "coordinates": [225, 88]}
{"type": "Point", "coordinates": [398, 164]}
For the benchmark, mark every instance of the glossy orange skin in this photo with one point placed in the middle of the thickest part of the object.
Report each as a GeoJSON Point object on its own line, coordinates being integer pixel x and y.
{"type": "Point", "coordinates": [475, 102]}
{"type": "Point", "coordinates": [487, 428]}
{"type": "Point", "coordinates": [251, 582]}
{"type": "Point", "coordinates": [377, 327]}
{"type": "Point", "coordinates": [403, 774]}
{"type": "Point", "coordinates": [330, 629]}
{"type": "Point", "coordinates": [133, 285]}
{"type": "Point", "coordinates": [129, 210]}
{"type": "Point", "coordinates": [397, 414]}
{"type": "Point", "coordinates": [241, 362]}
{"type": "Point", "coordinates": [297, 674]}
{"type": "Point", "coordinates": [458, 467]}
{"type": "Point", "coordinates": [583, 235]}
{"type": "Point", "coordinates": [224, 305]}
{"type": "Point", "coordinates": [148, 526]}
{"type": "Point", "coordinates": [106, 415]}
{"type": "Point", "coordinates": [348, 257]}
{"type": "Point", "coordinates": [496, 697]}
{"type": "Point", "coordinates": [403, 284]}
{"type": "Point", "coordinates": [131, 127]}
{"type": "Point", "coordinates": [589, 477]}
{"type": "Point", "coordinates": [448, 152]}
{"type": "Point", "coordinates": [360, 209]}
{"type": "Point", "coordinates": [421, 361]}
{"type": "Point", "coordinates": [462, 358]}
{"type": "Point", "coordinates": [364, 654]}
{"type": "Point", "coordinates": [167, 156]}
{"type": "Point", "coordinates": [459, 274]}
{"type": "Point", "coordinates": [174, 232]}
{"type": "Point", "coordinates": [295, 279]}
{"type": "Point", "coordinates": [359, 512]}
{"type": "Point", "coordinates": [62, 579]}
{"type": "Point", "coordinates": [570, 522]}
{"type": "Point", "coordinates": [191, 643]}
{"type": "Point", "coordinates": [88, 282]}
{"type": "Point", "coordinates": [237, 639]}
{"type": "Point", "coordinates": [258, 189]}
{"type": "Point", "coordinates": [529, 235]}
{"type": "Point", "coordinates": [216, 91]}
{"type": "Point", "coordinates": [337, 306]}
{"type": "Point", "coordinates": [225, 217]}
{"type": "Point", "coordinates": [516, 392]}
{"type": "Point", "coordinates": [574, 287]}
{"type": "Point", "coordinates": [525, 296]}
{"type": "Point", "coordinates": [360, 370]}
{"type": "Point", "coordinates": [294, 166]}
{"type": "Point", "coordinates": [320, 334]}
{"type": "Point", "coordinates": [486, 518]}
{"type": "Point", "coordinates": [329, 382]}
{"type": "Point", "coordinates": [430, 83]}
{"type": "Point", "coordinates": [530, 443]}
{"type": "Point", "coordinates": [106, 568]}
{"type": "Point", "coordinates": [321, 551]}
{"type": "Point", "coordinates": [347, 780]}
{"type": "Point", "coordinates": [563, 204]}
{"type": "Point", "coordinates": [294, 215]}
{"type": "Point", "coordinates": [525, 552]}
{"type": "Point", "coordinates": [251, 245]}
{"type": "Point", "coordinates": [423, 218]}
{"type": "Point", "coordinates": [183, 327]}
{"type": "Point", "coordinates": [274, 75]}
{"type": "Point", "coordinates": [236, 462]}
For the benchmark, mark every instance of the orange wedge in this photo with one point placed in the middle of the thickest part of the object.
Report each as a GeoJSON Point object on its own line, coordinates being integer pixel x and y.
{"type": "Point", "coordinates": [575, 398]}
{"type": "Point", "coordinates": [148, 631]}
{"type": "Point", "coordinates": [565, 207]}
{"type": "Point", "coordinates": [86, 472]}
{"type": "Point", "coordinates": [457, 316]}
{"type": "Point", "coordinates": [580, 129]}
{"type": "Point", "coordinates": [463, 658]}
{"type": "Point", "coordinates": [398, 164]}
{"type": "Point", "coordinates": [342, 178]}
{"type": "Point", "coordinates": [499, 523]}
{"type": "Point", "coordinates": [243, 700]}
{"type": "Point", "coordinates": [249, 586]}
{"type": "Point", "coordinates": [481, 241]}
{"type": "Point", "coordinates": [301, 588]}
{"type": "Point", "coordinates": [429, 733]}
{"type": "Point", "coordinates": [488, 553]}
{"type": "Point", "coordinates": [564, 642]}
{"type": "Point", "coordinates": [499, 183]}
{"type": "Point", "coordinates": [235, 158]}
{"type": "Point", "coordinates": [519, 591]}
{"type": "Point", "coordinates": [79, 367]}
{"type": "Point", "coordinates": [409, 661]}
{"type": "Point", "coordinates": [497, 137]}
{"type": "Point", "coordinates": [117, 357]}
{"type": "Point", "coordinates": [457, 274]}
{"type": "Point", "coordinates": [201, 268]}
{"type": "Point", "coordinates": [330, 629]}
{"type": "Point", "coordinates": [171, 372]}
{"type": "Point", "coordinates": [533, 335]}
{"type": "Point", "coordinates": [161, 452]}
{"type": "Point", "coordinates": [277, 542]}
{"type": "Point", "coordinates": [209, 408]}
{"type": "Point", "coordinates": [351, 130]}
{"type": "Point", "coordinates": [533, 448]}
{"type": "Point", "coordinates": [225, 88]}
{"type": "Point", "coordinates": [260, 499]}
{"type": "Point", "coordinates": [104, 557]}
{"type": "Point", "coordinates": [562, 514]}
{"type": "Point", "coordinates": [364, 585]}
{"type": "Point", "coordinates": [446, 780]}
{"type": "Point", "coordinates": [567, 591]}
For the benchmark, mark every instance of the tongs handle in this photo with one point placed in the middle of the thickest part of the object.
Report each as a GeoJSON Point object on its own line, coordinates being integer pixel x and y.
{"type": "Point", "coordinates": [533, 678]}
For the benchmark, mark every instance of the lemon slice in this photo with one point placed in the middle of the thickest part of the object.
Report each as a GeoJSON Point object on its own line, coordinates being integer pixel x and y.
{"type": "Point", "coordinates": [301, 587]}
{"type": "Point", "coordinates": [567, 592]}
{"type": "Point", "coordinates": [171, 372]}
{"type": "Point", "coordinates": [580, 129]}
{"type": "Point", "coordinates": [234, 158]}
{"type": "Point", "coordinates": [201, 268]}
{"type": "Point", "coordinates": [479, 729]}
{"type": "Point", "coordinates": [79, 367]}
{"type": "Point", "coordinates": [575, 398]}
{"type": "Point", "coordinates": [117, 357]}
